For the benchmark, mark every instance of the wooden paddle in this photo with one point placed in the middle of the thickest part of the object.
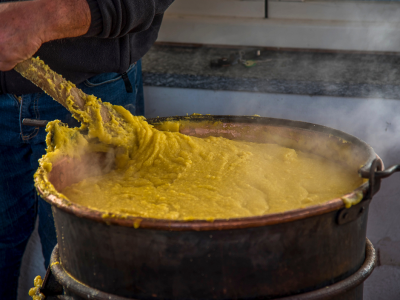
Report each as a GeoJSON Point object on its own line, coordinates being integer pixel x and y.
{"type": "Point", "coordinates": [55, 85]}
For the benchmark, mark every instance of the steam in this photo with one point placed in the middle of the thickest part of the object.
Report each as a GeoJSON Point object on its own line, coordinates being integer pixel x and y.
{"type": "Point", "coordinates": [376, 121]}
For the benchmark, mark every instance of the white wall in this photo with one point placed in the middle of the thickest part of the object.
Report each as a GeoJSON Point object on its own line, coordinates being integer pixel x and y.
{"type": "Point", "coordinates": [332, 25]}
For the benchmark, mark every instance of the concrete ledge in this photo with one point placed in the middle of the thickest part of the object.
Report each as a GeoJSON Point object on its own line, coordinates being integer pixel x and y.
{"type": "Point", "coordinates": [279, 72]}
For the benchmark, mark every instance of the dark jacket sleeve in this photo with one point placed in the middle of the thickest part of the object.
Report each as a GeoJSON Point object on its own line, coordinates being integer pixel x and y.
{"type": "Point", "coordinates": [116, 18]}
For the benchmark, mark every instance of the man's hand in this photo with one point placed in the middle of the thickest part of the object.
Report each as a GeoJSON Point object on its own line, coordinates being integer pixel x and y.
{"type": "Point", "coordinates": [25, 26]}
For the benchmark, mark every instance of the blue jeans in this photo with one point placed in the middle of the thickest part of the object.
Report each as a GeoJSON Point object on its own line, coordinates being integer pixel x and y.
{"type": "Point", "coordinates": [21, 147]}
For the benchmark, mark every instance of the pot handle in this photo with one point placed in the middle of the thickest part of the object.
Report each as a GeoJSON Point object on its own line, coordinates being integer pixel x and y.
{"type": "Point", "coordinates": [374, 173]}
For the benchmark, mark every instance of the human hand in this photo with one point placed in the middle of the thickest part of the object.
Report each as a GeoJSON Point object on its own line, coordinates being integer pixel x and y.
{"type": "Point", "coordinates": [25, 26]}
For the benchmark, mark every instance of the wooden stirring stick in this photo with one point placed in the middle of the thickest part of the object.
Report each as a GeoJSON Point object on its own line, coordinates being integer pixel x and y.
{"type": "Point", "coordinates": [55, 85]}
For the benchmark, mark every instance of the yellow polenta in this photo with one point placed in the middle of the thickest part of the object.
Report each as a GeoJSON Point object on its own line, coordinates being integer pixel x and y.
{"type": "Point", "coordinates": [169, 175]}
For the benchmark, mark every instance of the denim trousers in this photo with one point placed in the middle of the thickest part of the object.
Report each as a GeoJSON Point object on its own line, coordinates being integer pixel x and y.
{"type": "Point", "coordinates": [20, 148]}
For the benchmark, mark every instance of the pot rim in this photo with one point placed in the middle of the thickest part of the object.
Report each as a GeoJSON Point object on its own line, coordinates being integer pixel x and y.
{"type": "Point", "coordinates": [224, 224]}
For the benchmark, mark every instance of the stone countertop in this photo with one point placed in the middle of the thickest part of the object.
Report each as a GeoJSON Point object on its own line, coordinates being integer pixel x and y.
{"type": "Point", "coordinates": [282, 72]}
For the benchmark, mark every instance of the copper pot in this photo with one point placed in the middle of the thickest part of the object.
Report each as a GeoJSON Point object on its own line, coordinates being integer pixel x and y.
{"type": "Point", "coordinates": [267, 256]}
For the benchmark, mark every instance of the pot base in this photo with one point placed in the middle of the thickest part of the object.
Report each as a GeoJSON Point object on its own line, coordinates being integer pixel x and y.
{"type": "Point", "coordinates": [351, 288]}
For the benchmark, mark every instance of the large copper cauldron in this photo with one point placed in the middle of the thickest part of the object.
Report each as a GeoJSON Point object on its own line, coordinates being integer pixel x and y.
{"type": "Point", "coordinates": [267, 256]}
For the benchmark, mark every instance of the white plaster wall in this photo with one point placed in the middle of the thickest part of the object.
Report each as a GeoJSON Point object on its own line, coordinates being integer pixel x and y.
{"type": "Point", "coordinates": [375, 121]}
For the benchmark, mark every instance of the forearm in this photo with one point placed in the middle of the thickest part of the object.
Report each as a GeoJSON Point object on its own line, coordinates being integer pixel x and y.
{"type": "Point", "coordinates": [25, 26]}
